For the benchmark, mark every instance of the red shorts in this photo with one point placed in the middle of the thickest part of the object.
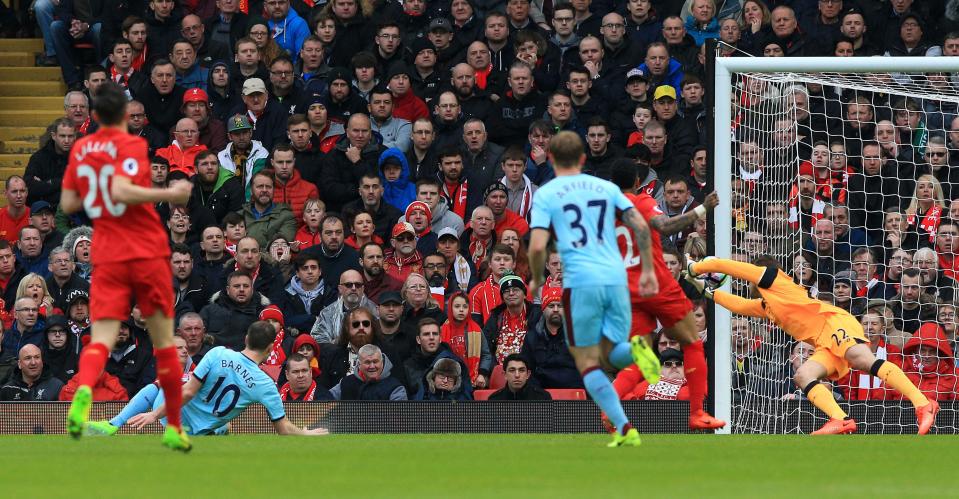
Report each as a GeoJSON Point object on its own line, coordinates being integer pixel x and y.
{"type": "Point", "coordinates": [668, 307]}
{"type": "Point", "coordinates": [113, 285]}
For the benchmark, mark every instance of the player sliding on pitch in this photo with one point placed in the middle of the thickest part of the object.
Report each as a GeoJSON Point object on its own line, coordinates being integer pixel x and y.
{"type": "Point", "coordinates": [223, 384]}
{"type": "Point", "coordinates": [582, 209]}
{"type": "Point", "coordinates": [108, 176]}
{"type": "Point", "coordinates": [837, 336]}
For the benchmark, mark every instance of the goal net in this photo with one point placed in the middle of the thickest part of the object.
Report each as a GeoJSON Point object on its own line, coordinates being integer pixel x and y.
{"type": "Point", "coordinates": [843, 170]}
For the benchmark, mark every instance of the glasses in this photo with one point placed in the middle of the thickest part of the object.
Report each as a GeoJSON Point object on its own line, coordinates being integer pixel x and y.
{"type": "Point", "coordinates": [352, 285]}
{"type": "Point", "coordinates": [188, 132]}
{"type": "Point", "coordinates": [57, 332]}
{"type": "Point", "coordinates": [936, 154]}
{"type": "Point", "coordinates": [281, 74]}
{"type": "Point", "coordinates": [563, 20]}
{"type": "Point", "coordinates": [614, 26]}
{"type": "Point", "coordinates": [60, 261]}
{"type": "Point", "coordinates": [672, 363]}
{"type": "Point", "coordinates": [433, 266]}
{"type": "Point", "coordinates": [364, 323]}
{"type": "Point", "coordinates": [404, 237]}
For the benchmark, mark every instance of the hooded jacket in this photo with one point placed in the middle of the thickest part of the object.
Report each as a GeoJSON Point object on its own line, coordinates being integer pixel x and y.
{"type": "Point", "coordinates": [222, 104]}
{"type": "Point", "coordinates": [305, 339]}
{"type": "Point", "coordinates": [290, 33]}
{"type": "Point", "coordinates": [63, 363]}
{"type": "Point", "coordinates": [401, 192]}
{"type": "Point", "coordinates": [255, 161]}
{"type": "Point", "coordinates": [133, 362]}
{"type": "Point", "coordinates": [466, 340]}
{"type": "Point", "coordinates": [940, 382]}
{"type": "Point", "coordinates": [300, 308]}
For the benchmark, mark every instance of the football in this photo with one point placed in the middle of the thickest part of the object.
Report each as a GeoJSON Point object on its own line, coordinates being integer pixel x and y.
{"type": "Point", "coordinates": [713, 280]}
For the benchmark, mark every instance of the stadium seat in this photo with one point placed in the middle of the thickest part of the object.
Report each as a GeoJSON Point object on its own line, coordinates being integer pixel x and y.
{"type": "Point", "coordinates": [272, 371]}
{"type": "Point", "coordinates": [567, 393]}
{"type": "Point", "coordinates": [497, 378]}
{"type": "Point", "coordinates": [482, 394]}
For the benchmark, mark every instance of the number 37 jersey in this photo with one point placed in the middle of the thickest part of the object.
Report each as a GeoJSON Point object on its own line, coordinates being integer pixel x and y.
{"type": "Point", "coordinates": [121, 232]}
{"type": "Point", "coordinates": [582, 211]}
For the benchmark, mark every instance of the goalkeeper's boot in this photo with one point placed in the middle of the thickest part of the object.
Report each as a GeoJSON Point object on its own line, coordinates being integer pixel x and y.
{"type": "Point", "coordinates": [629, 438]}
{"type": "Point", "coordinates": [101, 428]}
{"type": "Point", "coordinates": [176, 439]}
{"type": "Point", "coordinates": [702, 420]}
{"type": "Point", "coordinates": [79, 411]}
{"type": "Point", "coordinates": [837, 427]}
{"type": "Point", "coordinates": [926, 416]}
{"type": "Point", "coordinates": [645, 359]}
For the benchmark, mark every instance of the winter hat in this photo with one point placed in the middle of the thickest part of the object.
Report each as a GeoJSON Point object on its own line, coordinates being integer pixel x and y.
{"type": "Point", "coordinates": [511, 281]}
{"type": "Point", "coordinates": [421, 44]}
{"type": "Point", "coordinates": [339, 73]}
{"type": "Point", "coordinates": [806, 169]}
{"type": "Point", "coordinates": [397, 68]}
{"type": "Point", "coordinates": [77, 243]}
{"type": "Point", "coordinates": [76, 295]}
{"type": "Point", "coordinates": [447, 367]}
{"type": "Point", "coordinates": [846, 277]}
{"type": "Point", "coordinates": [419, 205]}
{"type": "Point", "coordinates": [495, 186]}
{"type": "Point", "coordinates": [670, 354]}
{"type": "Point", "coordinates": [272, 312]}
{"type": "Point", "coordinates": [551, 295]}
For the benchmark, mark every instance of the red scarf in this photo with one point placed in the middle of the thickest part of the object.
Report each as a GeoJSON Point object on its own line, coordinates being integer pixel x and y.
{"type": "Point", "coordinates": [478, 248]}
{"type": "Point", "coordinates": [464, 338]}
{"type": "Point", "coordinates": [512, 332]}
{"type": "Point", "coordinates": [84, 127]}
{"type": "Point", "coordinates": [139, 60]}
{"type": "Point", "coordinates": [253, 276]}
{"type": "Point", "coordinates": [482, 77]}
{"type": "Point", "coordinates": [457, 198]}
{"type": "Point", "coordinates": [930, 222]}
{"type": "Point", "coordinates": [287, 395]}
{"type": "Point", "coordinates": [277, 355]}
{"type": "Point", "coordinates": [122, 79]}
{"type": "Point", "coordinates": [864, 290]}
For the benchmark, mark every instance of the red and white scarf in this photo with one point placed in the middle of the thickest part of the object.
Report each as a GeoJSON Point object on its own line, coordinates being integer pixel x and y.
{"type": "Point", "coordinates": [929, 223]}
{"type": "Point", "coordinates": [527, 202]}
{"type": "Point", "coordinates": [253, 276]}
{"type": "Point", "coordinates": [287, 395]}
{"type": "Point", "coordinates": [122, 79]}
{"type": "Point", "coordinates": [512, 332]}
{"type": "Point", "coordinates": [277, 355]}
{"type": "Point", "coordinates": [457, 198]}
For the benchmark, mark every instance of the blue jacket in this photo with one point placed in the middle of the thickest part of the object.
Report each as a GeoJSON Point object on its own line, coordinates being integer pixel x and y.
{"type": "Point", "coordinates": [290, 33]}
{"type": "Point", "coordinates": [14, 340]}
{"type": "Point", "coordinates": [39, 265]}
{"type": "Point", "coordinates": [701, 35]}
{"type": "Point", "coordinates": [197, 77]}
{"type": "Point", "coordinates": [674, 76]}
{"type": "Point", "coordinates": [549, 359]}
{"type": "Point", "coordinates": [400, 192]}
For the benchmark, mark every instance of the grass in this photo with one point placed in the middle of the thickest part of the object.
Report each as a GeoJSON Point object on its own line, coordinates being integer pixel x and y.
{"type": "Point", "coordinates": [482, 466]}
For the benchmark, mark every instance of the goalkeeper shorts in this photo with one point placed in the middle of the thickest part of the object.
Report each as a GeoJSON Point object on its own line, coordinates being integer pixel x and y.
{"type": "Point", "coordinates": [839, 334]}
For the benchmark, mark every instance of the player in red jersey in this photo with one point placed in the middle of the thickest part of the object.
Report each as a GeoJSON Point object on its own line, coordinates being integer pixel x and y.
{"type": "Point", "coordinates": [670, 307]}
{"type": "Point", "coordinates": [108, 176]}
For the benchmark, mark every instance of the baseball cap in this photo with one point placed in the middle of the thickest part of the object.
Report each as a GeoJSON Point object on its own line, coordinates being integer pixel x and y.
{"type": "Point", "coordinates": [195, 95]}
{"type": "Point", "coordinates": [390, 297]}
{"type": "Point", "coordinates": [402, 227]}
{"type": "Point", "coordinates": [253, 85]}
{"type": "Point", "coordinates": [447, 232]}
{"type": "Point", "coordinates": [77, 295]}
{"type": "Point", "coordinates": [664, 91]}
{"type": "Point", "coordinates": [238, 122]}
{"type": "Point", "coordinates": [637, 73]}
{"type": "Point", "coordinates": [39, 206]}
{"type": "Point", "coordinates": [441, 23]}
{"type": "Point", "coordinates": [56, 320]}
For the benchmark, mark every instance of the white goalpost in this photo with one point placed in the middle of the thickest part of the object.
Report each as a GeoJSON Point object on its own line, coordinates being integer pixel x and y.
{"type": "Point", "coordinates": [773, 118]}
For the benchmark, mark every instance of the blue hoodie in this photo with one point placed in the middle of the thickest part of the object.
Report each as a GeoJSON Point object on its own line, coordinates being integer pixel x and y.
{"type": "Point", "coordinates": [292, 33]}
{"type": "Point", "coordinates": [400, 192]}
{"type": "Point", "coordinates": [700, 35]}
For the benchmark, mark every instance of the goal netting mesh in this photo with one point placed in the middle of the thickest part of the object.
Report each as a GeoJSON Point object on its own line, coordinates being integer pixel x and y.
{"type": "Point", "coordinates": [848, 180]}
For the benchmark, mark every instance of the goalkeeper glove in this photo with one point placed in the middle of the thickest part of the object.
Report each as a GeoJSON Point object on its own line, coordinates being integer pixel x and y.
{"type": "Point", "coordinates": [699, 284]}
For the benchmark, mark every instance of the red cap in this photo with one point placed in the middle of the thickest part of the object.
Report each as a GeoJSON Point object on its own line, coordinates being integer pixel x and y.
{"type": "Point", "coordinates": [272, 312]}
{"type": "Point", "coordinates": [550, 295]}
{"type": "Point", "coordinates": [402, 227]}
{"type": "Point", "coordinates": [195, 95]}
{"type": "Point", "coordinates": [806, 170]}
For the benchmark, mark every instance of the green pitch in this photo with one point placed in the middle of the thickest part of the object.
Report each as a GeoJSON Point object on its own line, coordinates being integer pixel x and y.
{"type": "Point", "coordinates": [482, 466]}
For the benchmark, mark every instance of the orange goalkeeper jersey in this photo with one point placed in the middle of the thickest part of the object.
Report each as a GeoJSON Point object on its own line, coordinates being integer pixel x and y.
{"type": "Point", "coordinates": [784, 302]}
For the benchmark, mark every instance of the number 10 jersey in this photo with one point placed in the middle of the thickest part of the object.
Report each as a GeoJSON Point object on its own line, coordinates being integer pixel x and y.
{"type": "Point", "coordinates": [121, 233]}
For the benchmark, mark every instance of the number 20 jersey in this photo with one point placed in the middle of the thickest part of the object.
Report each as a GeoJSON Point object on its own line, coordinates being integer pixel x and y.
{"type": "Point", "coordinates": [121, 232]}
{"type": "Point", "coordinates": [627, 244]}
{"type": "Point", "coordinates": [582, 210]}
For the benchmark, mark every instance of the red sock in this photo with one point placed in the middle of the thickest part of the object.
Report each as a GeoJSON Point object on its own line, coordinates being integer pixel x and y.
{"type": "Point", "coordinates": [697, 374]}
{"type": "Point", "coordinates": [170, 374]}
{"type": "Point", "coordinates": [93, 359]}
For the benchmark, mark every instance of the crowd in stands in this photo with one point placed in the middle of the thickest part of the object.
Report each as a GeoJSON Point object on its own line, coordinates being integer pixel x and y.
{"type": "Point", "coordinates": [363, 173]}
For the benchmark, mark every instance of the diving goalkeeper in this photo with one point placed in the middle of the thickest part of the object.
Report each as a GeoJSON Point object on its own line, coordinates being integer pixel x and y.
{"type": "Point", "coordinates": [836, 335]}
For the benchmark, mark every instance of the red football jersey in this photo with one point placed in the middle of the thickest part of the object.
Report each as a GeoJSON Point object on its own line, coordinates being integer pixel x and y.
{"type": "Point", "coordinates": [121, 232]}
{"type": "Point", "coordinates": [627, 245]}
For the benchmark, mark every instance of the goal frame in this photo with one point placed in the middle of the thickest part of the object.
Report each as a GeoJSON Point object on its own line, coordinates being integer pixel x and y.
{"type": "Point", "coordinates": [722, 161]}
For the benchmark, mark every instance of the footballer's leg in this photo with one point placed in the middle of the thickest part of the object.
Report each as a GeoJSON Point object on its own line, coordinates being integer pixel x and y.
{"type": "Point", "coordinates": [808, 378]}
{"type": "Point", "coordinates": [169, 374]}
{"type": "Point", "coordinates": [696, 371]}
{"type": "Point", "coordinates": [861, 357]}
{"type": "Point", "coordinates": [93, 358]}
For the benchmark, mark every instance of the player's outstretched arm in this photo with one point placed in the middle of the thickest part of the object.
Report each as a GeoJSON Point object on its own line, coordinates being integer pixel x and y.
{"type": "Point", "coordinates": [648, 286]}
{"type": "Point", "coordinates": [125, 191]}
{"type": "Point", "coordinates": [538, 240]}
{"type": "Point", "coordinates": [283, 426]}
{"type": "Point", "coordinates": [733, 303]}
{"type": "Point", "coordinates": [70, 201]}
{"type": "Point", "coordinates": [738, 270]}
{"type": "Point", "coordinates": [668, 226]}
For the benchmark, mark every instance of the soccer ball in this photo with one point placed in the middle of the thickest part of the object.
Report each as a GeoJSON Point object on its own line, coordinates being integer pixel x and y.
{"type": "Point", "coordinates": [713, 280]}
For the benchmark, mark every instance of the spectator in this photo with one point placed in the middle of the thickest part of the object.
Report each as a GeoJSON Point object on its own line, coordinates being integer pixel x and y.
{"type": "Point", "coordinates": [428, 192]}
{"type": "Point", "coordinates": [512, 114]}
{"type": "Point", "coordinates": [25, 330]}
{"type": "Point", "coordinates": [131, 360]}
{"type": "Point", "coordinates": [394, 172]}
{"type": "Point", "coordinates": [434, 268]}
{"type": "Point", "coordinates": [362, 231]}
{"type": "Point", "coordinates": [189, 73]}
{"type": "Point", "coordinates": [518, 385]}
{"type": "Point", "coordinates": [300, 384]}
{"type": "Point", "coordinates": [306, 294]}
{"type": "Point", "coordinates": [455, 186]}
{"type": "Point", "coordinates": [76, 106]}
{"type": "Point", "coordinates": [267, 280]}
{"type": "Point", "coordinates": [397, 338]}
{"type": "Point", "coordinates": [930, 363]}
{"type": "Point", "coordinates": [395, 132]}
{"type": "Point", "coordinates": [925, 210]}
{"type": "Point", "coordinates": [419, 216]}
{"type": "Point", "coordinates": [61, 349]}
{"type": "Point", "coordinates": [371, 200]}
{"type": "Point", "coordinates": [545, 351]}
{"type": "Point", "coordinates": [448, 121]}
{"type": "Point", "coordinates": [335, 257]}
{"type": "Point", "coordinates": [677, 200]}
{"type": "Point", "coordinates": [15, 215]}
{"type": "Point", "coordinates": [421, 156]}
{"type": "Point", "coordinates": [429, 349]}
{"type": "Point", "coordinates": [934, 282]}
{"type": "Point", "coordinates": [264, 218]}
{"type": "Point", "coordinates": [444, 381]}
{"type": "Point", "coordinates": [181, 154]}
{"type": "Point", "coordinates": [642, 23]}
{"type": "Point", "coordinates": [465, 338]}
{"type": "Point", "coordinates": [290, 189]}
{"type": "Point", "coordinates": [192, 330]}
{"type": "Point", "coordinates": [283, 90]}
{"type": "Point", "coordinates": [947, 246]}
{"type": "Point", "coordinates": [911, 306]}
{"type": "Point", "coordinates": [372, 379]}
{"type": "Point", "coordinates": [508, 323]}
{"type": "Point", "coordinates": [868, 282]}
{"type": "Point", "coordinates": [212, 255]}
{"type": "Point", "coordinates": [474, 101]}
{"type": "Point", "coordinates": [44, 172]}
{"type": "Point", "coordinates": [196, 106]}
{"type": "Point", "coordinates": [309, 234]}
{"type": "Point", "coordinates": [63, 280]}
{"type": "Point", "coordinates": [137, 125]}
{"type": "Point", "coordinates": [520, 188]}
{"type": "Point", "coordinates": [486, 296]}
{"type": "Point", "coordinates": [418, 300]}
{"type": "Point", "coordinates": [190, 291]}
{"type": "Point", "coordinates": [75, 23]}
{"type": "Point", "coordinates": [42, 218]}
{"type": "Point", "coordinates": [29, 382]}
{"type": "Point", "coordinates": [861, 385]}
{"type": "Point", "coordinates": [289, 29]}
{"type": "Point", "coordinates": [232, 310]}
{"type": "Point", "coordinates": [107, 389]}
{"type": "Point", "coordinates": [243, 156]}
{"type": "Point", "coordinates": [462, 274]}
{"type": "Point", "coordinates": [327, 327]}
{"type": "Point", "coordinates": [406, 105]}
{"type": "Point", "coordinates": [161, 97]}
{"type": "Point", "coordinates": [661, 69]}
{"type": "Point", "coordinates": [353, 156]}
{"type": "Point", "coordinates": [481, 157]}
{"type": "Point", "coordinates": [217, 189]}
{"type": "Point", "coordinates": [402, 258]}
{"type": "Point", "coordinates": [267, 118]}
{"type": "Point", "coordinates": [359, 327]}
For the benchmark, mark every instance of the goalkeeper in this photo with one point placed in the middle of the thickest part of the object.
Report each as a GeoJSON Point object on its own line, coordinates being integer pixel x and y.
{"type": "Point", "coordinates": [835, 334]}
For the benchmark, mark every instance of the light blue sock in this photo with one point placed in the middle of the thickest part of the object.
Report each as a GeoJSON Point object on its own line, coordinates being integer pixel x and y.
{"type": "Point", "coordinates": [140, 403]}
{"type": "Point", "coordinates": [621, 355]}
{"type": "Point", "coordinates": [604, 395]}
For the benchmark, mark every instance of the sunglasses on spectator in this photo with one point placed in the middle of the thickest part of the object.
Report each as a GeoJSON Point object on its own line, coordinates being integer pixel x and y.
{"type": "Point", "coordinates": [352, 285]}
{"type": "Point", "coordinates": [364, 323]}
{"type": "Point", "coordinates": [672, 363]}
{"type": "Point", "coordinates": [404, 237]}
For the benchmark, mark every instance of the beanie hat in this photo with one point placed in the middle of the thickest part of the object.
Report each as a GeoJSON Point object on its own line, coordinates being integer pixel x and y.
{"type": "Point", "coordinates": [806, 170]}
{"type": "Point", "coordinates": [397, 68]}
{"type": "Point", "coordinates": [551, 295]}
{"type": "Point", "coordinates": [419, 205]}
{"type": "Point", "coordinates": [272, 312]}
{"type": "Point", "coordinates": [495, 186]}
{"type": "Point", "coordinates": [511, 281]}
{"type": "Point", "coordinates": [339, 73]}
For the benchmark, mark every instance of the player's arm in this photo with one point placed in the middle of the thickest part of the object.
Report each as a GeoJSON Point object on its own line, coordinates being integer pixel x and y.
{"type": "Point", "coordinates": [538, 239]}
{"type": "Point", "coordinates": [740, 305]}
{"type": "Point", "coordinates": [283, 426]}
{"type": "Point", "coordinates": [738, 270]}
{"type": "Point", "coordinates": [123, 190]}
{"type": "Point", "coordinates": [70, 201]}
{"type": "Point", "coordinates": [190, 390]}
{"type": "Point", "coordinates": [648, 285]}
{"type": "Point", "coordinates": [668, 226]}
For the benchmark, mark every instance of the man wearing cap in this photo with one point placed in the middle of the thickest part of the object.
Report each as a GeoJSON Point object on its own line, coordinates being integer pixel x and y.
{"type": "Point", "coordinates": [29, 381]}
{"type": "Point", "coordinates": [44, 172]}
{"type": "Point", "coordinates": [681, 135]}
{"type": "Point", "coordinates": [636, 93]}
{"type": "Point", "coordinates": [402, 258]}
{"type": "Point", "coordinates": [63, 279]}
{"type": "Point", "coordinates": [441, 36]}
{"type": "Point", "coordinates": [496, 198]}
{"type": "Point", "coordinates": [182, 152]}
{"type": "Point", "coordinates": [287, 27]}
{"type": "Point", "coordinates": [161, 97]}
{"type": "Point", "coordinates": [545, 348]}
{"type": "Point", "coordinates": [243, 156]}
{"type": "Point", "coordinates": [267, 118]}
{"type": "Point", "coordinates": [506, 328]}
{"type": "Point", "coordinates": [461, 273]}
{"type": "Point", "coordinates": [189, 74]}
{"type": "Point", "coordinates": [397, 338]}
{"type": "Point", "coordinates": [61, 349]}
{"type": "Point", "coordinates": [42, 217]}
{"type": "Point", "coordinates": [196, 106]}
{"type": "Point", "coordinates": [426, 80]}
{"type": "Point", "coordinates": [15, 215]}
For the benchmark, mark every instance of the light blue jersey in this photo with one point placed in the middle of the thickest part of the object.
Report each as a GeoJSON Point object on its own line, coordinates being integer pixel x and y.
{"type": "Point", "coordinates": [582, 211]}
{"type": "Point", "coordinates": [231, 382]}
